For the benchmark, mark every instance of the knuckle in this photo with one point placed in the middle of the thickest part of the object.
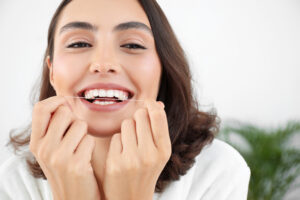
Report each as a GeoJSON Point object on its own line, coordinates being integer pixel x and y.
{"type": "Point", "coordinates": [42, 154]}
{"type": "Point", "coordinates": [82, 124]}
{"type": "Point", "coordinates": [55, 161]}
{"type": "Point", "coordinates": [59, 98]}
{"type": "Point", "coordinates": [39, 107]}
{"type": "Point", "coordinates": [140, 113]}
{"type": "Point", "coordinates": [166, 153]}
{"type": "Point", "coordinates": [76, 169]}
{"type": "Point", "coordinates": [113, 170]}
{"type": "Point", "coordinates": [32, 145]}
{"type": "Point", "coordinates": [32, 148]}
{"type": "Point", "coordinates": [158, 115]}
{"type": "Point", "coordinates": [132, 165]}
{"type": "Point", "coordinates": [127, 122]}
{"type": "Point", "coordinates": [65, 111]}
{"type": "Point", "coordinates": [150, 162]}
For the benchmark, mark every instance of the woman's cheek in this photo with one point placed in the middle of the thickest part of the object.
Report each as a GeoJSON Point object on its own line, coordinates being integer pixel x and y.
{"type": "Point", "coordinates": [67, 70]}
{"type": "Point", "coordinates": [145, 72]}
{"type": "Point", "coordinates": [150, 73]}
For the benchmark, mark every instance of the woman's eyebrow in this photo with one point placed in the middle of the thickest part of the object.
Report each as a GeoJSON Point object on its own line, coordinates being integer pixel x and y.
{"type": "Point", "coordinates": [78, 25]}
{"type": "Point", "coordinates": [133, 25]}
{"type": "Point", "coordinates": [93, 28]}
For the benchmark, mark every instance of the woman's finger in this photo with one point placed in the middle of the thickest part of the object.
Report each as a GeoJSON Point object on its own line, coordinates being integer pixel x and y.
{"type": "Point", "coordinates": [59, 123]}
{"type": "Point", "coordinates": [74, 135]}
{"type": "Point", "coordinates": [143, 129]}
{"type": "Point", "coordinates": [159, 124]}
{"type": "Point", "coordinates": [85, 149]}
{"type": "Point", "coordinates": [115, 147]}
{"type": "Point", "coordinates": [42, 113]}
{"type": "Point", "coordinates": [128, 135]}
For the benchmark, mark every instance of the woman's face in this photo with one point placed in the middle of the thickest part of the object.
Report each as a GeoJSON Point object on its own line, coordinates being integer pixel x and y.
{"type": "Point", "coordinates": [101, 46]}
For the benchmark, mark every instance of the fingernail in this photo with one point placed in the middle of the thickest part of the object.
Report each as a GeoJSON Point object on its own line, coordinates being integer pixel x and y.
{"type": "Point", "coordinates": [161, 104]}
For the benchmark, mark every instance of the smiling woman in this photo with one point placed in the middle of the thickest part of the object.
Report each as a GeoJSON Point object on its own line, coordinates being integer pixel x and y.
{"type": "Point", "coordinates": [116, 117]}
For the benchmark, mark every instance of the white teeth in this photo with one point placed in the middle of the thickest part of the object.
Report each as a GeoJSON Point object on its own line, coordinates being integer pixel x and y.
{"type": "Point", "coordinates": [95, 93]}
{"type": "Point", "coordinates": [103, 103]}
{"type": "Point", "coordinates": [123, 96]}
{"type": "Point", "coordinates": [91, 94]}
{"type": "Point", "coordinates": [110, 93]}
{"type": "Point", "coordinates": [102, 93]}
{"type": "Point", "coordinates": [116, 93]}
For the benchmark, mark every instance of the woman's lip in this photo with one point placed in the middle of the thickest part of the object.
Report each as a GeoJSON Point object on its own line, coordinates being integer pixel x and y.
{"type": "Point", "coordinates": [104, 108]}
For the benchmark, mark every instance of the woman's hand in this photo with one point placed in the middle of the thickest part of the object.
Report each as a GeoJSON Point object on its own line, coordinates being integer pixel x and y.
{"type": "Point", "coordinates": [63, 149]}
{"type": "Point", "coordinates": [138, 155]}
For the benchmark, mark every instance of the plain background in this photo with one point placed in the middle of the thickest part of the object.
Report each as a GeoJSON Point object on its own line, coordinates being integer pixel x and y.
{"type": "Point", "coordinates": [244, 55]}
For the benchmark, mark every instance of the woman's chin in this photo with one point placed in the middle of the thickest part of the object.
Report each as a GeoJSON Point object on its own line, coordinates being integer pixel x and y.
{"type": "Point", "coordinates": [102, 132]}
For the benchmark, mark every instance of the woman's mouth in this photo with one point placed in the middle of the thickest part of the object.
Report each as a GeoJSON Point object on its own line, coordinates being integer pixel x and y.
{"type": "Point", "coordinates": [105, 99]}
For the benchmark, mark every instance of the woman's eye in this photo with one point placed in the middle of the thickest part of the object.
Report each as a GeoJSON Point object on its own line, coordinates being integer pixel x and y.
{"type": "Point", "coordinates": [133, 46]}
{"type": "Point", "coordinates": [79, 45]}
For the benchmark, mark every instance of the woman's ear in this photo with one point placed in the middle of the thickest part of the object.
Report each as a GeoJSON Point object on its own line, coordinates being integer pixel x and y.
{"type": "Point", "coordinates": [50, 67]}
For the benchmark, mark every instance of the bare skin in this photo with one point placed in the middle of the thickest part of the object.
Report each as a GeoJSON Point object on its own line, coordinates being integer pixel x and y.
{"type": "Point", "coordinates": [64, 155]}
{"type": "Point", "coordinates": [135, 158]}
{"type": "Point", "coordinates": [124, 151]}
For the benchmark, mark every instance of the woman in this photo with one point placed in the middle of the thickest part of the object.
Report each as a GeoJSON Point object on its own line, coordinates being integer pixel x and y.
{"type": "Point", "coordinates": [116, 118]}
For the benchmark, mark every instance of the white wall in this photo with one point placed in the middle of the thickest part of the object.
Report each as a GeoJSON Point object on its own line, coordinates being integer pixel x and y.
{"type": "Point", "coordinates": [23, 36]}
{"type": "Point", "coordinates": [244, 56]}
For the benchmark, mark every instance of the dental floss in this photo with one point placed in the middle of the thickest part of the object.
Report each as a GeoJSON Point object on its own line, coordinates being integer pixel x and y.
{"type": "Point", "coordinates": [102, 98]}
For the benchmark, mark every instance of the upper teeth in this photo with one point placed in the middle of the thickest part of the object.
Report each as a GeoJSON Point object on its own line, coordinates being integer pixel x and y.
{"type": "Point", "coordinates": [91, 94]}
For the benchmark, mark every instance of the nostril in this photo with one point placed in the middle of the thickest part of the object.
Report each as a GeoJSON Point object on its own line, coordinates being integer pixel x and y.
{"type": "Point", "coordinates": [106, 68]}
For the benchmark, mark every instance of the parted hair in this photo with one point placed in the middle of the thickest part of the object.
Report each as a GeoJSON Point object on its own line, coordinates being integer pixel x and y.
{"type": "Point", "coordinates": [190, 128]}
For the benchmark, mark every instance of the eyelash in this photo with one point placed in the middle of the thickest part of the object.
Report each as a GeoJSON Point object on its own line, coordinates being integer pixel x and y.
{"type": "Point", "coordinates": [85, 45]}
{"type": "Point", "coordinates": [78, 45]}
{"type": "Point", "coordinates": [133, 46]}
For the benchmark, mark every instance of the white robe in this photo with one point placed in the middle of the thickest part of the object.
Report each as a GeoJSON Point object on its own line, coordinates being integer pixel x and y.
{"type": "Point", "coordinates": [219, 173]}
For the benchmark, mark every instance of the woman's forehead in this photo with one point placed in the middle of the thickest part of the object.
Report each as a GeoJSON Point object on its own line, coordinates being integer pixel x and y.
{"type": "Point", "coordinates": [103, 13]}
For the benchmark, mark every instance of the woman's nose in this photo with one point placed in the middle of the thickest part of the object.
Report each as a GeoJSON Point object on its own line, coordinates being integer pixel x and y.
{"type": "Point", "coordinates": [104, 58]}
{"type": "Point", "coordinates": [103, 68]}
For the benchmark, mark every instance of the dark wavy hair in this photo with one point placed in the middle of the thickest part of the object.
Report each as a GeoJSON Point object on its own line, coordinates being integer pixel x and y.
{"type": "Point", "coordinates": [190, 129]}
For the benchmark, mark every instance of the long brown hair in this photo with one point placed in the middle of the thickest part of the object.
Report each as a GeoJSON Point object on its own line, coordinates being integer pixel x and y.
{"type": "Point", "coordinates": [190, 129]}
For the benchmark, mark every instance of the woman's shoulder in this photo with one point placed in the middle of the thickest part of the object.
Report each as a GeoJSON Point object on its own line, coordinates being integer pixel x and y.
{"type": "Point", "coordinates": [12, 167]}
{"type": "Point", "coordinates": [221, 154]}
{"type": "Point", "coordinates": [12, 160]}
{"type": "Point", "coordinates": [17, 182]}
{"type": "Point", "coordinates": [221, 160]}
{"type": "Point", "coordinates": [221, 172]}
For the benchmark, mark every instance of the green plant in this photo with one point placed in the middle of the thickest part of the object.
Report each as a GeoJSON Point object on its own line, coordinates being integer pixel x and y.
{"type": "Point", "coordinates": [273, 160]}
